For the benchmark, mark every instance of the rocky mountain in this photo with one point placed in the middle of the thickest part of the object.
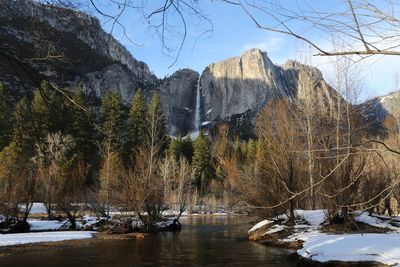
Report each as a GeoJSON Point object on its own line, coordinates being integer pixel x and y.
{"type": "Point", "coordinates": [234, 90]}
{"type": "Point", "coordinates": [43, 42]}
{"type": "Point", "coordinates": [178, 97]}
{"type": "Point", "coordinates": [40, 42]}
{"type": "Point", "coordinates": [377, 109]}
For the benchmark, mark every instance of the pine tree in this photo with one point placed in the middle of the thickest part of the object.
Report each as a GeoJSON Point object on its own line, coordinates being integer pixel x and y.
{"type": "Point", "coordinates": [187, 148]}
{"type": "Point", "coordinates": [112, 120]}
{"type": "Point", "coordinates": [6, 116]}
{"type": "Point", "coordinates": [41, 111]}
{"type": "Point", "coordinates": [179, 147]}
{"type": "Point", "coordinates": [157, 131]}
{"type": "Point", "coordinates": [175, 148]}
{"type": "Point", "coordinates": [24, 134]}
{"type": "Point", "coordinates": [137, 123]}
{"type": "Point", "coordinates": [82, 128]}
{"type": "Point", "coordinates": [201, 161]}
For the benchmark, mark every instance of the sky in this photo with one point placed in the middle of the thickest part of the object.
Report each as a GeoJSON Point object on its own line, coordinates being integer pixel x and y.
{"type": "Point", "coordinates": [231, 33]}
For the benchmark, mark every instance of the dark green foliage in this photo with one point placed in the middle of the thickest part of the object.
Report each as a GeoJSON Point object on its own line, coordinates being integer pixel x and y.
{"type": "Point", "coordinates": [201, 161]}
{"type": "Point", "coordinates": [112, 116]}
{"type": "Point", "coordinates": [175, 148]}
{"type": "Point", "coordinates": [82, 125]}
{"type": "Point", "coordinates": [157, 131]}
{"type": "Point", "coordinates": [24, 134]}
{"type": "Point", "coordinates": [6, 116]}
{"type": "Point", "coordinates": [187, 148]}
{"type": "Point", "coordinates": [137, 123]}
{"type": "Point", "coordinates": [181, 148]}
{"type": "Point", "coordinates": [52, 111]}
{"type": "Point", "coordinates": [83, 131]}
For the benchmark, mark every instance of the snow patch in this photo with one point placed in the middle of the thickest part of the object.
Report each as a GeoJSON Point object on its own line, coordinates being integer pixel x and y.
{"type": "Point", "coordinates": [375, 221]}
{"type": "Point", "coordinates": [313, 217]}
{"type": "Point", "coordinates": [384, 248]}
{"type": "Point", "coordinates": [275, 229]}
{"type": "Point", "coordinates": [44, 225]}
{"type": "Point", "coordinates": [259, 225]}
{"type": "Point", "coordinates": [27, 238]}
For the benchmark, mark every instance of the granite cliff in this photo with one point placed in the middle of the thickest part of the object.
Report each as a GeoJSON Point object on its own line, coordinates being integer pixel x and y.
{"type": "Point", "coordinates": [43, 42]}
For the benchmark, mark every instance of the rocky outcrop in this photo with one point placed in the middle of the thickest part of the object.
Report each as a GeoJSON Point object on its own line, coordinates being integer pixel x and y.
{"type": "Point", "coordinates": [44, 42]}
{"type": "Point", "coordinates": [377, 109]}
{"type": "Point", "coordinates": [240, 84]}
{"type": "Point", "coordinates": [65, 46]}
{"type": "Point", "coordinates": [178, 98]}
{"type": "Point", "coordinates": [234, 90]}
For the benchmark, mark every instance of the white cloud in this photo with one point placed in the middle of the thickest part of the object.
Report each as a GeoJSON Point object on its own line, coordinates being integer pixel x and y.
{"type": "Point", "coordinates": [269, 45]}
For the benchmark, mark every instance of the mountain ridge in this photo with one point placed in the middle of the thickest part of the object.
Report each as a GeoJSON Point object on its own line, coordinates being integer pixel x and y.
{"type": "Point", "coordinates": [232, 90]}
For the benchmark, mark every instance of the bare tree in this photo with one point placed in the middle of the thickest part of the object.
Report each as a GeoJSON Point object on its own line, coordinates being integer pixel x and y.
{"type": "Point", "coordinates": [17, 186]}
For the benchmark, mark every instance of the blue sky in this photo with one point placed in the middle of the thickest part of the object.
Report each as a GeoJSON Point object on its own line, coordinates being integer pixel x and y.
{"type": "Point", "coordinates": [233, 32]}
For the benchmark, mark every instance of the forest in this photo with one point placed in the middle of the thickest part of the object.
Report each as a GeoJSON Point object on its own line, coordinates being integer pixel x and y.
{"type": "Point", "coordinates": [72, 151]}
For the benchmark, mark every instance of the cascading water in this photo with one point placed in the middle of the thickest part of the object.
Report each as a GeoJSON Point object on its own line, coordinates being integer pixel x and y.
{"type": "Point", "coordinates": [197, 119]}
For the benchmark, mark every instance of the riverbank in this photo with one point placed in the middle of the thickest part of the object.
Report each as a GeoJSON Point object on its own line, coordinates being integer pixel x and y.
{"type": "Point", "coordinates": [370, 240]}
{"type": "Point", "coordinates": [67, 243]}
{"type": "Point", "coordinates": [55, 234]}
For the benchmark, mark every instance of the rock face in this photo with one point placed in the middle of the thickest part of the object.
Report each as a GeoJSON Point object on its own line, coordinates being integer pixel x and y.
{"type": "Point", "coordinates": [43, 42]}
{"type": "Point", "coordinates": [390, 104]}
{"type": "Point", "coordinates": [240, 84]}
{"type": "Point", "coordinates": [235, 89]}
{"type": "Point", "coordinates": [378, 109]}
{"type": "Point", "coordinates": [178, 98]}
{"type": "Point", "coordinates": [46, 42]}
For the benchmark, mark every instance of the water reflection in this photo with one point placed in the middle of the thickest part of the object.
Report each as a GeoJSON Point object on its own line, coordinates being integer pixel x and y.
{"type": "Point", "coordinates": [204, 241]}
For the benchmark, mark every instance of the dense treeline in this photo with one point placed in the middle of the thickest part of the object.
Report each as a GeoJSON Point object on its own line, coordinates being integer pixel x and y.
{"type": "Point", "coordinates": [60, 149]}
{"type": "Point", "coordinates": [310, 152]}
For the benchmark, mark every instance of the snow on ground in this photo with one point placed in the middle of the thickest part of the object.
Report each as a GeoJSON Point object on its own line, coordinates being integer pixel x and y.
{"type": "Point", "coordinates": [37, 207]}
{"type": "Point", "coordinates": [319, 246]}
{"type": "Point", "coordinates": [384, 248]}
{"type": "Point", "coordinates": [27, 238]}
{"type": "Point", "coordinates": [45, 225]}
{"type": "Point", "coordinates": [259, 225]}
{"type": "Point", "coordinates": [275, 229]}
{"type": "Point", "coordinates": [377, 221]}
{"type": "Point", "coordinates": [313, 217]}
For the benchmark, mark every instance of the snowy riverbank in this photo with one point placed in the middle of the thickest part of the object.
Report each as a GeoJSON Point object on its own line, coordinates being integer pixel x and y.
{"type": "Point", "coordinates": [29, 238]}
{"type": "Point", "coordinates": [313, 241]}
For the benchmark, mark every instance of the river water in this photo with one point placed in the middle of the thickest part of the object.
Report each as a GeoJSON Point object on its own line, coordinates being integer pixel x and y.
{"type": "Point", "coordinates": [203, 241]}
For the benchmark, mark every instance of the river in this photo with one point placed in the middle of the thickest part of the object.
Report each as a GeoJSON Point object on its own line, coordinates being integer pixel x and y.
{"type": "Point", "coordinates": [203, 241]}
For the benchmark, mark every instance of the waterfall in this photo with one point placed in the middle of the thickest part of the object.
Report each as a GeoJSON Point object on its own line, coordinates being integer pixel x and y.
{"type": "Point", "coordinates": [197, 119]}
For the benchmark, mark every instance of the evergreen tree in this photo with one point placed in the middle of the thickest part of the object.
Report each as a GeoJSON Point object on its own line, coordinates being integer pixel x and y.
{"type": "Point", "coordinates": [52, 111]}
{"type": "Point", "coordinates": [187, 148]}
{"type": "Point", "coordinates": [6, 116]}
{"type": "Point", "coordinates": [157, 131]}
{"type": "Point", "coordinates": [24, 134]}
{"type": "Point", "coordinates": [83, 130]}
{"type": "Point", "coordinates": [201, 161]}
{"type": "Point", "coordinates": [181, 148]}
{"type": "Point", "coordinates": [112, 120]}
{"type": "Point", "coordinates": [41, 111]}
{"type": "Point", "coordinates": [137, 123]}
{"type": "Point", "coordinates": [175, 148]}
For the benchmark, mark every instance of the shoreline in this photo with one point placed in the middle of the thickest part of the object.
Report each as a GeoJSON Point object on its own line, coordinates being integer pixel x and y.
{"type": "Point", "coordinates": [97, 237]}
{"type": "Point", "coordinates": [366, 241]}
